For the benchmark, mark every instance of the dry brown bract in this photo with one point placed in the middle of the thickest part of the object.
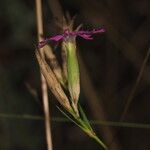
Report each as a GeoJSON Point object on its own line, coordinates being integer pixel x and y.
{"type": "Point", "coordinates": [52, 82]}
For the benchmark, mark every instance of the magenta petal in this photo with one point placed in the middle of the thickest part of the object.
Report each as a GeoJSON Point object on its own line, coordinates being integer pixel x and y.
{"type": "Point", "coordinates": [98, 31]}
{"type": "Point", "coordinates": [57, 38]}
{"type": "Point", "coordinates": [85, 36]}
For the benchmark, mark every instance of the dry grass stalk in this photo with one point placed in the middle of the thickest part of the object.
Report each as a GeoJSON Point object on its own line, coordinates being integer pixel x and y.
{"type": "Point", "coordinates": [43, 81]}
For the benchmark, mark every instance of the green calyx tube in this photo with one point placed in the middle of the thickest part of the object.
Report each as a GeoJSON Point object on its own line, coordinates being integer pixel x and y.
{"type": "Point", "coordinates": [73, 76]}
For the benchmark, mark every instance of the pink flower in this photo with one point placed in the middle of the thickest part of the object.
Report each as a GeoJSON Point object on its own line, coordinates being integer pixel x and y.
{"type": "Point", "coordinates": [67, 34]}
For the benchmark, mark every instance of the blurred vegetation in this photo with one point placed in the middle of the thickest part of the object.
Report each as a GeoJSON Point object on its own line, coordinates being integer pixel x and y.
{"type": "Point", "coordinates": [112, 61]}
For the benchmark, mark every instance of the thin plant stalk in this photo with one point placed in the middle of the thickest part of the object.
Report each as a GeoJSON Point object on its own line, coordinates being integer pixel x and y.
{"type": "Point", "coordinates": [43, 81]}
{"type": "Point", "coordinates": [83, 123]}
{"type": "Point", "coordinates": [133, 91]}
{"type": "Point", "coordinates": [65, 120]}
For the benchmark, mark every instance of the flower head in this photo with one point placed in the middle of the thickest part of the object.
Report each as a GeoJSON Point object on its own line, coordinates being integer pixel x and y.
{"type": "Point", "coordinates": [69, 45]}
{"type": "Point", "coordinates": [71, 34]}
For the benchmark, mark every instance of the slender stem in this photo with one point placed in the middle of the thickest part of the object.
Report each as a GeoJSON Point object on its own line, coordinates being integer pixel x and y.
{"type": "Point", "coordinates": [100, 142]}
{"type": "Point", "coordinates": [89, 131]}
{"type": "Point", "coordinates": [43, 81]}
{"type": "Point", "coordinates": [64, 120]}
{"type": "Point", "coordinates": [133, 91]}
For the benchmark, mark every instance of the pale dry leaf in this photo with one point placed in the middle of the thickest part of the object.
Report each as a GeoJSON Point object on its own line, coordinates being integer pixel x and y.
{"type": "Point", "coordinates": [53, 83]}
{"type": "Point", "coordinates": [49, 54]}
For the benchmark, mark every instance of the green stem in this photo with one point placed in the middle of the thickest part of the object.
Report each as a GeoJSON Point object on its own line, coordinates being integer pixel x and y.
{"type": "Point", "coordinates": [89, 131]}
{"type": "Point", "coordinates": [99, 142]}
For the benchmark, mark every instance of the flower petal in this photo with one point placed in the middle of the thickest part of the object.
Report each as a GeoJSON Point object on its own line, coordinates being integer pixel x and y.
{"type": "Point", "coordinates": [94, 31]}
{"type": "Point", "coordinates": [100, 30]}
{"type": "Point", "coordinates": [57, 38]}
{"type": "Point", "coordinates": [86, 36]}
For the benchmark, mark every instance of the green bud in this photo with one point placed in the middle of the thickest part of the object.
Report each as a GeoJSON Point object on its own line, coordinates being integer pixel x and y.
{"type": "Point", "coordinates": [72, 71]}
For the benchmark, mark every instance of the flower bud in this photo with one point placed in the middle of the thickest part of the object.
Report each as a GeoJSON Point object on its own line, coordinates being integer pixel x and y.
{"type": "Point", "coordinates": [72, 71]}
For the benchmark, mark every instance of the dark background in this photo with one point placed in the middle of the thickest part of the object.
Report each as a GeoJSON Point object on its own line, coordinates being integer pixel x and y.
{"type": "Point", "coordinates": [111, 64]}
